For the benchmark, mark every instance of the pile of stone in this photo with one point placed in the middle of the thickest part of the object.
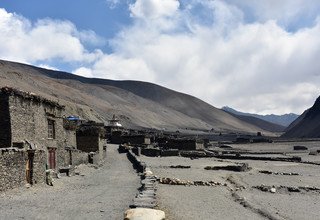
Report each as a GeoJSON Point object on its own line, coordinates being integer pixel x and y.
{"type": "Point", "coordinates": [244, 167]}
{"type": "Point", "coordinates": [180, 166]}
{"type": "Point", "coordinates": [193, 154]}
{"type": "Point", "coordinates": [176, 181]}
{"type": "Point", "coordinates": [264, 188]}
{"type": "Point", "coordinates": [146, 198]}
{"type": "Point", "coordinates": [281, 188]}
{"type": "Point", "coordinates": [278, 173]}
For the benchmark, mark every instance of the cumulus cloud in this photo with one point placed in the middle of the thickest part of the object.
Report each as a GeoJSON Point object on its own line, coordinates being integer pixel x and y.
{"type": "Point", "coordinates": [22, 40]}
{"type": "Point", "coordinates": [218, 56]}
{"type": "Point", "coordinates": [288, 13]}
{"type": "Point", "coordinates": [254, 57]}
{"type": "Point", "coordinates": [154, 9]}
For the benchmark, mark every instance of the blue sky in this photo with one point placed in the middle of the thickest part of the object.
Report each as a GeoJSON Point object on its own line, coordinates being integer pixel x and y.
{"type": "Point", "coordinates": [255, 56]}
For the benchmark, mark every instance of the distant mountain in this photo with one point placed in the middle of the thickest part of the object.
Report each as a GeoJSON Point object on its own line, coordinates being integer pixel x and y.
{"type": "Point", "coordinates": [284, 120]}
{"type": "Point", "coordinates": [137, 104]}
{"type": "Point", "coordinates": [307, 125]}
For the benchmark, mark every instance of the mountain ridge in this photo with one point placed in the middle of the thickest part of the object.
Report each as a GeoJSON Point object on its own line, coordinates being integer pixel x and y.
{"type": "Point", "coordinates": [138, 103]}
{"type": "Point", "coordinates": [284, 120]}
{"type": "Point", "coordinates": [307, 125]}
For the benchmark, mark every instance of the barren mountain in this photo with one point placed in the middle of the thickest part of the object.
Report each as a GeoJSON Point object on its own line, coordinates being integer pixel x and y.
{"type": "Point", "coordinates": [139, 104]}
{"type": "Point", "coordinates": [307, 125]}
{"type": "Point", "coordinates": [283, 120]}
{"type": "Point", "coordinates": [265, 125]}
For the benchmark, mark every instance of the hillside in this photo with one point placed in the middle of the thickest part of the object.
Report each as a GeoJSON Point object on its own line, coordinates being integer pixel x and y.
{"type": "Point", "coordinates": [265, 125]}
{"type": "Point", "coordinates": [139, 104]}
{"type": "Point", "coordinates": [307, 125]}
{"type": "Point", "coordinates": [283, 120]}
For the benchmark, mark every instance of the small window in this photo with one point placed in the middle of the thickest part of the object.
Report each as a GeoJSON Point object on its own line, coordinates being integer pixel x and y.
{"type": "Point", "coordinates": [51, 130]}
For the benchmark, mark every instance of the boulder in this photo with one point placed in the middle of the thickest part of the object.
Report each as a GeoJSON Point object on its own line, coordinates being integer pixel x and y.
{"type": "Point", "coordinates": [144, 214]}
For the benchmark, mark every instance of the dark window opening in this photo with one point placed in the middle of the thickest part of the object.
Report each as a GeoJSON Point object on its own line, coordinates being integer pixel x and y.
{"type": "Point", "coordinates": [51, 129]}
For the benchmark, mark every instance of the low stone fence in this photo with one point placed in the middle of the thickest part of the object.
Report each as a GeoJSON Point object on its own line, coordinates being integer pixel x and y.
{"type": "Point", "coordinates": [13, 167]}
{"type": "Point", "coordinates": [145, 201]}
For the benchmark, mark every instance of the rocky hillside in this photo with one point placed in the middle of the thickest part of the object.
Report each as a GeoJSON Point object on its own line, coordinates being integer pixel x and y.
{"type": "Point", "coordinates": [307, 125]}
{"type": "Point", "coordinates": [139, 104]}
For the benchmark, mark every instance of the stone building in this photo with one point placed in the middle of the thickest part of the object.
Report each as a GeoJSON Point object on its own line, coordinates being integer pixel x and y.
{"type": "Point", "coordinates": [91, 139]}
{"type": "Point", "coordinates": [136, 139]}
{"type": "Point", "coordinates": [32, 138]}
{"type": "Point", "coordinates": [183, 144]}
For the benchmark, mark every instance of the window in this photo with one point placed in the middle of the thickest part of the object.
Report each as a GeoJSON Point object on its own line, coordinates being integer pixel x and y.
{"type": "Point", "coordinates": [51, 130]}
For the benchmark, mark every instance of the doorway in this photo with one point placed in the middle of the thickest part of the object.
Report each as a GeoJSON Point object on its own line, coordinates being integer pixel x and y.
{"type": "Point", "coordinates": [52, 158]}
{"type": "Point", "coordinates": [29, 167]}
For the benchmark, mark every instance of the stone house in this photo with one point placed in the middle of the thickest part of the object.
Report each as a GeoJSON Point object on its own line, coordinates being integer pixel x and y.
{"type": "Point", "coordinates": [91, 138]}
{"type": "Point", "coordinates": [183, 144]}
{"type": "Point", "coordinates": [136, 139]}
{"type": "Point", "coordinates": [32, 137]}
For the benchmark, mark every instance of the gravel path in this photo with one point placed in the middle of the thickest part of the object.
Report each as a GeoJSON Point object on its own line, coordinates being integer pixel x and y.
{"type": "Point", "coordinates": [103, 193]}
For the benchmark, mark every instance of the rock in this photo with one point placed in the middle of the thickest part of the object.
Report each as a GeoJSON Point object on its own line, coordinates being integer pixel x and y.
{"type": "Point", "coordinates": [300, 148]}
{"type": "Point", "coordinates": [144, 214]}
{"type": "Point", "coordinates": [273, 190]}
{"type": "Point", "coordinates": [293, 189]}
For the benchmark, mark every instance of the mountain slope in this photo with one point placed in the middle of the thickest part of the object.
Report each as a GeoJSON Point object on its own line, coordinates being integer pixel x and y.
{"type": "Point", "coordinates": [265, 125]}
{"type": "Point", "coordinates": [139, 104]}
{"type": "Point", "coordinates": [307, 125]}
{"type": "Point", "coordinates": [283, 120]}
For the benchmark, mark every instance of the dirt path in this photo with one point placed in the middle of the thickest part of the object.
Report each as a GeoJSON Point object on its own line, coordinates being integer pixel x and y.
{"type": "Point", "coordinates": [103, 193]}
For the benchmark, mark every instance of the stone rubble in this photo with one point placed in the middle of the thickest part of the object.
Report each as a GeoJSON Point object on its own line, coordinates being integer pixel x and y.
{"type": "Point", "coordinates": [176, 181]}
{"type": "Point", "coordinates": [274, 189]}
{"type": "Point", "coordinates": [278, 173]}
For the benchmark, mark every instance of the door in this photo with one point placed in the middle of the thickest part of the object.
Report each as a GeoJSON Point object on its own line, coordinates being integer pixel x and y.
{"type": "Point", "coordinates": [29, 168]}
{"type": "Point", "coordinates": [52, 158]}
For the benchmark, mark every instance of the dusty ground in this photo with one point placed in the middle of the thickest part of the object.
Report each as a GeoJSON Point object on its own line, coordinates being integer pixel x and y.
{"type": "Point", "coordinates": [103, 193]}
{"type": "Point", "coordinates": [239, 200]}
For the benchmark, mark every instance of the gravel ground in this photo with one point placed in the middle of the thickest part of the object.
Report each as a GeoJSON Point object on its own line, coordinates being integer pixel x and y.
{"type": "Point", "coordinates": [219, 202]}
{"type": "Point", "coordinates": [103, 193]}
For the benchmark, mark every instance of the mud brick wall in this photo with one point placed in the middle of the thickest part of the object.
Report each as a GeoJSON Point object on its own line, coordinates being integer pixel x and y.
{"type": "Point", "coordinates": [5, 126]}
{"type": "Point", "coordinates": [13, 168]}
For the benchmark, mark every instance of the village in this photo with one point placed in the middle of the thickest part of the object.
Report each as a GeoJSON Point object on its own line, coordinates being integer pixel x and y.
{"type": "Point", "coordinates": [40, 144]}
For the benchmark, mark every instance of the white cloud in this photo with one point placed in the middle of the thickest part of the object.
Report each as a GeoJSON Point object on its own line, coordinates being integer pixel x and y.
{"type": "Point", "coordinates": [202, 47]}
{"type": "Point", "coordinates": [46, 39]}
{"type": "Point", "coordinates": [253, 67]}
{"type": "Point", "coordinates": [83, 71]}
{"type": "Point", "coordinates": [154, 9]}
{"type": "Point", "coordinates": [112, 3]}
{"type": "Point", "coordinates": [287, 12]}
{"type": "Point", "coordinates": [46, 66]}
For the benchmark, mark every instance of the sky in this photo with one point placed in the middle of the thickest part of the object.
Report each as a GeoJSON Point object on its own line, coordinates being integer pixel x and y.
{"type": "Point", "coordinates": [258, 56]}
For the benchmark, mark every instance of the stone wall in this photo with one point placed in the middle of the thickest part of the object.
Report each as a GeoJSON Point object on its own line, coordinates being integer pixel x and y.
{"type": "Point", "coordinates": [13, 168]}
{"type": "Point", "coordinates": [79, 157]}
{"type": "Point", "coordinates": [29, 121]}
{"type": "Point", "coordinates": [39, 167]}
{"type": "Point", "coordinates": [88, 143]}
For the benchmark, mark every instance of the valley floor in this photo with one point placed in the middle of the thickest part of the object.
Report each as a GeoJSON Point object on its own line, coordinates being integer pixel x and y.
{"type": "Point", "coordinates": [295, 195]}
{"type": "Point", "coordinates": [288, 190]}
